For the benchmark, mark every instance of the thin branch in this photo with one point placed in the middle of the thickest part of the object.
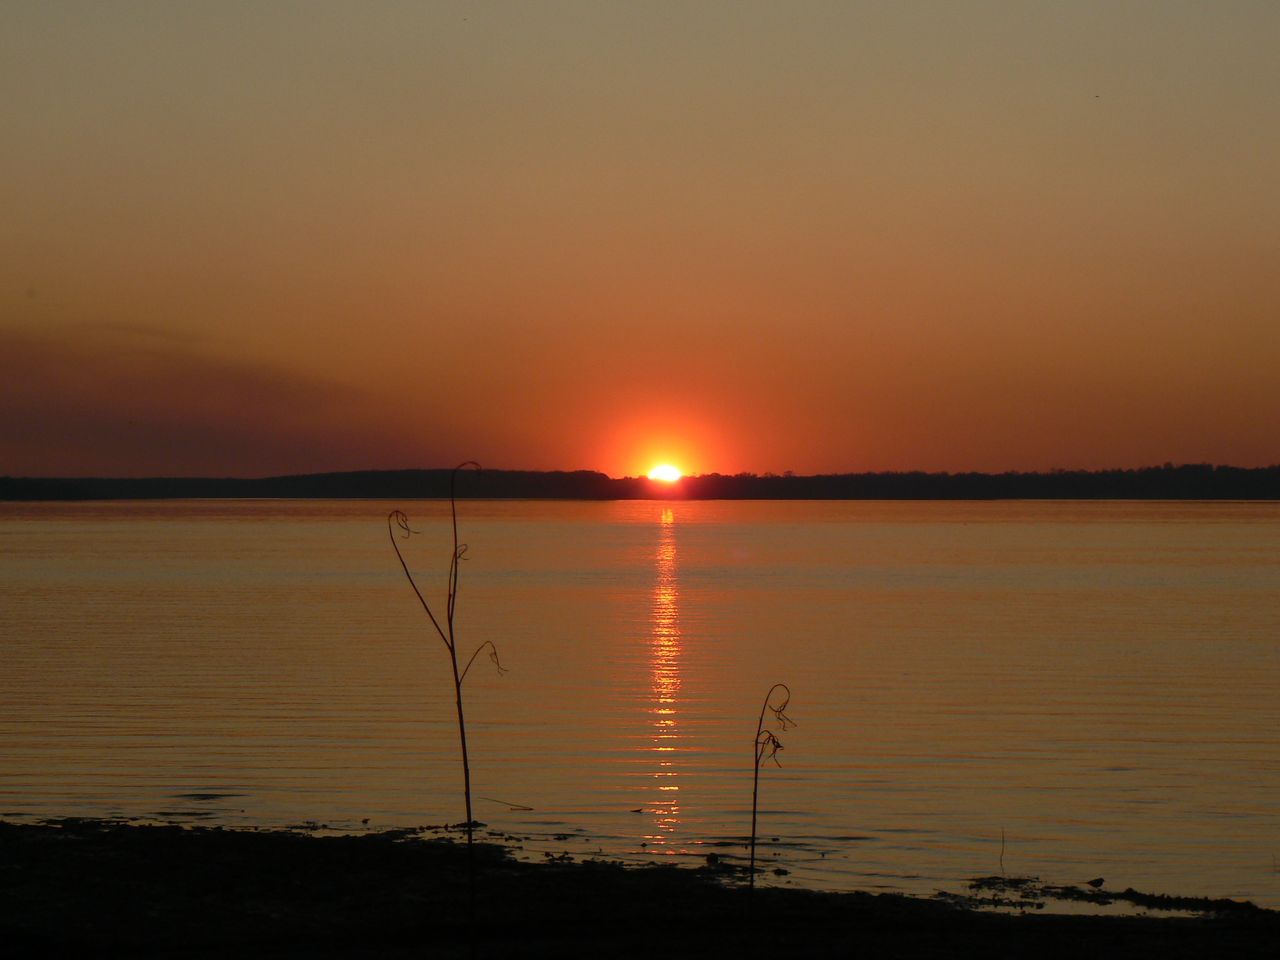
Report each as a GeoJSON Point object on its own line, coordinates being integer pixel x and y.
{"type": "Point", "coordinates": [493, 655]}
{"type": "Point", "coordinates": [402, 521]}
{"type": "Point", "coordinates": [453, 561]}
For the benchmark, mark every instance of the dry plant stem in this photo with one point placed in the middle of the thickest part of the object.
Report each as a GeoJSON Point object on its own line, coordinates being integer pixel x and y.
{"type": "Point", "coordinates": [397, 520]}
{"type": "Point", "coordinates": [453, 652]}
{"type": "Point", "coordinates": [766, 747]}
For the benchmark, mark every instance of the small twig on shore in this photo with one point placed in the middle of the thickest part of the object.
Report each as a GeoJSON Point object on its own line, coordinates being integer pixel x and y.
{"type": "Point", "coordinates": [506, 803]}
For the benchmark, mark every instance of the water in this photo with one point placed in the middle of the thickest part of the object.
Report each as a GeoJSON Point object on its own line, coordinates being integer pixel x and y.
{"type": "Point", "coordinates": [1098, 684]}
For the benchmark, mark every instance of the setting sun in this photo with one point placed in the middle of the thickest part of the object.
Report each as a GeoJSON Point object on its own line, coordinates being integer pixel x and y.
{"type": "Point", "coordinates": [666, 473]}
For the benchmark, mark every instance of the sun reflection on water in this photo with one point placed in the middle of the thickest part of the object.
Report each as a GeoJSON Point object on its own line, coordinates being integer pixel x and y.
{"type": "Point", "coordinates": [664, 666]}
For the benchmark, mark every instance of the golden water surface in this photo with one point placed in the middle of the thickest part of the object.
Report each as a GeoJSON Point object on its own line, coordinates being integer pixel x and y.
{"type": "Point", "coordinates": [1097, 682]}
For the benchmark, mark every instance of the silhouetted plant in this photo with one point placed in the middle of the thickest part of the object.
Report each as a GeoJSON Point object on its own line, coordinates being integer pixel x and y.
{"type": "Point", "coordinates": [397, 520]}
{"type": "Point", "coordinates": [767, 746]}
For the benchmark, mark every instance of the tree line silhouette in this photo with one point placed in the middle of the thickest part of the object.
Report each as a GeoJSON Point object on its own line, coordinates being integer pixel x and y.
{"type": "Point", "coordinates": [1167, 482]}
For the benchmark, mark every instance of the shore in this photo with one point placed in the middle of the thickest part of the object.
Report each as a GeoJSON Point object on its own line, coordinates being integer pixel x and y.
{"type": "Point", "coordinates": [82, 887]}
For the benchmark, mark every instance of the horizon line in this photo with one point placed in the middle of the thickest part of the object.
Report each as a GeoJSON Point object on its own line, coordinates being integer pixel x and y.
{"type": "Point", "coordinates": [742, 474]}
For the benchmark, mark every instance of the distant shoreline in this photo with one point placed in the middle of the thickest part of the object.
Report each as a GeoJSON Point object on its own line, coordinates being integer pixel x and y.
{"type": "Point", "coordinates": [1168, 482]}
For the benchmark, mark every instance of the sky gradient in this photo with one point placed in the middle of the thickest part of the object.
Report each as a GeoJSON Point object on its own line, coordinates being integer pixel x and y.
{"type": "Point", "coordinates": [251, 239]}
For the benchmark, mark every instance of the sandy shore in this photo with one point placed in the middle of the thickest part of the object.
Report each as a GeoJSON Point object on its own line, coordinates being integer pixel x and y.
{"type": "Point", "coordinates": [90, 888]}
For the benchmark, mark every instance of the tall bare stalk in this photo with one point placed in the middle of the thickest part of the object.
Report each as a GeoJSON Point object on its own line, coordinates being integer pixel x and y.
{"type": "Point", "coordinates": [397, 520]}
{"type": "Point", "coordinates": [767, 746]}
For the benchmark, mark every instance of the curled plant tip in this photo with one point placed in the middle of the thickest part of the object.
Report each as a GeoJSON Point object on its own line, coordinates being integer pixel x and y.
{"type": "Point", "coordinates": [779, 712]}
{"type": "Point", "coordinates": [401, 520]}
{"type": "Point", "coordinates": [461, 553]}
{"type": "Point", "coordinates": [767, 747]}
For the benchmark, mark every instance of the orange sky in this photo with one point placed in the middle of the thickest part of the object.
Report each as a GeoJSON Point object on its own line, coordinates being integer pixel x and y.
{"type": "Point", "coordinates": [748, 236]}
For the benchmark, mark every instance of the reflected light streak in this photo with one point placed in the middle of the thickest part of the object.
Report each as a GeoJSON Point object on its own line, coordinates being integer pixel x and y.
{"type": "Point", "coordinates": [664, 666]}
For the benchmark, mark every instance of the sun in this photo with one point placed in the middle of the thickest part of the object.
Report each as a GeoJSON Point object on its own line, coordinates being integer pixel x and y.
{"type": "Point", "coordinates": [666, 473]}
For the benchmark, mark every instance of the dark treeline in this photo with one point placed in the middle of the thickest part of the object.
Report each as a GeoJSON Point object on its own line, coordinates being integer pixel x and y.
{"type": "Point", "coordinates": [361, 484]}
{"type": "Point", "coordinates": [1188, 482]}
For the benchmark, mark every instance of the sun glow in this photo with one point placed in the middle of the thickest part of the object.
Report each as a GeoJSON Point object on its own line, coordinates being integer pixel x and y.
{"type": "Point", "coordinates": [666, 473]}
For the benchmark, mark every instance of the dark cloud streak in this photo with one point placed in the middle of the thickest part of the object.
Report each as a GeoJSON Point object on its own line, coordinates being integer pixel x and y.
{"type": "Point", "coordinates": [107, 404]}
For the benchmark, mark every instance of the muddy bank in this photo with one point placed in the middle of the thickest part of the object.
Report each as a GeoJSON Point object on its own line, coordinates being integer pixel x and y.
{"type": "Point", "coordinates": [94, 888]}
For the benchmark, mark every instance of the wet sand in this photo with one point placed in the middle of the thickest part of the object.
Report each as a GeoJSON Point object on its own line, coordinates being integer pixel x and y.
{"type": "Point", "coordinates": [102, 888]}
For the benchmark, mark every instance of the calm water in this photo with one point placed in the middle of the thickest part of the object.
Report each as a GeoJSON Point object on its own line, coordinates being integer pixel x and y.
{"type": "Point", "coordinates": [1098, 682]}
